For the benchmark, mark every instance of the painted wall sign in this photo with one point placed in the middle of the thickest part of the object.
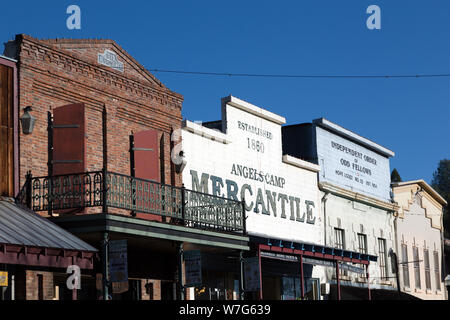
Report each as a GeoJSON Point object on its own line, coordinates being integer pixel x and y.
{"type": "Point", "coordinates": [193, 268]}
{"type": "Point", "coordinates": [317, 262]}
{"type": "Point", "coordinates": [281, 200]}
{"type": "Point", "coordinates": [331, 264]}
{"type": "Point", "coordinates": [118, 264]}
{"type": "Point", "coordinates": [352, 166]}
{"type": "Point", "coordinates": [279, 256]}
{"type": "Point", "coordinates": [109, 58]}
{"type": "Point", "coordinates": [251, 274]}
{"type": "Point", "coordinates": [3, 279]}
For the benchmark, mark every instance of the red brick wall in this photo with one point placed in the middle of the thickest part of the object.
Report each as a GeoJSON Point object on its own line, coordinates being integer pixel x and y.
{"type": "Point", "coordinates": [55, 73]}
{"type": "Point", "coordinates": [32, 285]}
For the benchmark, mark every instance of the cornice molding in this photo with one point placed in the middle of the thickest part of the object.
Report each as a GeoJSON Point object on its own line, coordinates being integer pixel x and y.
{"type": "Point", "coordinates": [31, 48]}
{"type": "Point", "coordinates": [411, 189]}
{"type": "Point", "coordinates": [51, 90]}
{"type": "Point", "coordinates": [89, 42]}
{"type": "Point", "coordinates": [355, 196]}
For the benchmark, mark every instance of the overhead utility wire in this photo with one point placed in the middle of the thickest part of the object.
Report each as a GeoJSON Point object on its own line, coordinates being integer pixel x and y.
{"type": "Point", "coordinates": [302, 75]}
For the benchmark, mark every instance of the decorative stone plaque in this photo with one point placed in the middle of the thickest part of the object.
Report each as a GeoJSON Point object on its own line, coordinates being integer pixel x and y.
{"type": "Point", "coordinates": [109, 58]}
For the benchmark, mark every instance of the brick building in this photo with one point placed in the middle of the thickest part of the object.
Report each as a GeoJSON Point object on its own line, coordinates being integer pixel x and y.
{"type": "Point", "coordinates": [98, 161]}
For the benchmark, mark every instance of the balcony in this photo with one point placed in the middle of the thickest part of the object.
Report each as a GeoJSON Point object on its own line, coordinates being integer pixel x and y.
{"type": "Point", "coordinates": [130, 195]}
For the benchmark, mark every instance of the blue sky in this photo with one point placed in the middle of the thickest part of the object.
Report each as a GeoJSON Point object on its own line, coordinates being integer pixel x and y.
{"type": "Point", "coordinates": [409, 116]}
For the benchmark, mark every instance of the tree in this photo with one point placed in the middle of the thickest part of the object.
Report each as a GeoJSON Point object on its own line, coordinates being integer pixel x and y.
{"type": "Point", "coordinates": [395, 176]}
{"type": "Point", "coordinates": [441, 183]}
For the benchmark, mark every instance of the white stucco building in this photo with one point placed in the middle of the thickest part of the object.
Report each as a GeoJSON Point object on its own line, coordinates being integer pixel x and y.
{"type": "Point", "coordinates": [354, 184]}
{"type": "Point", "coordinates": [241, 157]}
{"type": "Point", "coordinates": [419, 228]}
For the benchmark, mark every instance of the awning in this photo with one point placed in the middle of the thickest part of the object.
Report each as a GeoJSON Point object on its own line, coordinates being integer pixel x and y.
{"type": "Point", "coordinates": [26, 238]}
{"type": "Point", "coordinates": [312, 250]}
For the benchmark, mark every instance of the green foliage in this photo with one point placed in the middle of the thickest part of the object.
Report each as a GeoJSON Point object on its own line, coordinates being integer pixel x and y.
{"type": "Point", "coordinates": [441, 183]}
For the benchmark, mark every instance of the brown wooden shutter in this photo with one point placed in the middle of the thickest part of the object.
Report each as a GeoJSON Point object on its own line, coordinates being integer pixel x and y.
{"type": "Point", "coordinates": [69, 139]}
{"type": "Point", "coordinates": [6, 132]}
{"type": "Point", "coordinates": [146, 162]}
{"type": "Point", "coordinates": [146, 156]}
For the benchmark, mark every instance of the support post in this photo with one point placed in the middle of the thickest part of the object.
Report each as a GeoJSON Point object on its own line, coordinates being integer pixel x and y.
{"type": "Point", "coordinates": [77, 284]}
{"type": "Point", "coordinates": [338, 284]}
{"type": "Point", "coordinates": [368, 282]}
{"type": "Point", "coordinates": [104, 191]}
{"type": "Point", "coordinates": [241, 275]}
{"type": "Point", "coordinates": [180, 270]}
{"type": "Point", "coordinates": [105, 261]}
{"type": "Point", "coordinates": [260, 274]}
{"type": "Point", "coordinates": [302, 279]}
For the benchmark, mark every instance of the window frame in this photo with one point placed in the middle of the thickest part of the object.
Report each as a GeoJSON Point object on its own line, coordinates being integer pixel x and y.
{"type": "Point", "coordinates": [405, 266]}
{"type": "Point", "coordinates": [383, 259]}
{"type": "Point", "coordinates": [426, 260]}
{"type": "Point", "coordinates": [416, 264]}
{"type": "Point", "coordinates": [436, 269]}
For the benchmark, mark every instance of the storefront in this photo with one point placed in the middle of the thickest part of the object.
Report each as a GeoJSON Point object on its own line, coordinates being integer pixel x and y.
{"type": "Point", "coordinates": [240, 157]}
{"type": "Point", "coordinates": [355, 198]}
{"type": "Point", "coordinates": [97, 162]}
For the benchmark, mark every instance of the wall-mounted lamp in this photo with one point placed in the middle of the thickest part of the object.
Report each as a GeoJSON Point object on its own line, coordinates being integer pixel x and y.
{"type": "Point", "coordinates": [181, 163]}
{"type": "Point", "coordinates": [27, 121]}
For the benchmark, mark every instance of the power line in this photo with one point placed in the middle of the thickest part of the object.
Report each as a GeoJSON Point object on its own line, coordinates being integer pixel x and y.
{"type": "Point", "coordinates": [354, 76]}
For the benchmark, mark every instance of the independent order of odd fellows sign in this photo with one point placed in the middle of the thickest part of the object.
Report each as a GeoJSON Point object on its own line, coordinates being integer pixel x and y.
{"type": "Point", "coordinates": [193, 268]}
{"type": "Point", "coordinates": [118, 265]}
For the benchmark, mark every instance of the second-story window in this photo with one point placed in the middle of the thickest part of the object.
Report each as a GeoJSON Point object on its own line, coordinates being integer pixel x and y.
{"type": "Point", "coordinates": [405, 267]}
{"type": "Point", "coordinates": [339, 243]}
{"type": "Point", "coordinates": [416, 267]}
{"type": "Point", "coordinates": [426, 260]}
{"type": "Point", "coordinates": [362, 245]}
{"type": "Point", "coordinates": [437, 274]}
{"type": "Point", "coordinates": [382, 258]}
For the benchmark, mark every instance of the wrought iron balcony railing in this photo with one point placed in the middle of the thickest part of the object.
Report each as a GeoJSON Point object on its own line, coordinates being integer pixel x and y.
{"type": "Point", "coordinates": [108, 189]}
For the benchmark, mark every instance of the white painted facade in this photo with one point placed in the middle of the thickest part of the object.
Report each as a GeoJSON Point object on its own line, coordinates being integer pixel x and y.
{"type": "Point", "coordinates": [355, 197]}
{"type": "Point", "coordinates": [244, 160]}
{"type": "Point", "coordinates": [355, 217]}
{"type": "Point", "coordinates": [356, 182]}
{"type": "Point", "coordinates": [419, 226]}
{"type": "Point", "coordinates": [352, 166]}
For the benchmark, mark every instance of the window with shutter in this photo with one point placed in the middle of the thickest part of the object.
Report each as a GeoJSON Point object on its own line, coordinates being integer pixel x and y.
{"type": "Point", "coordinates": [426, 259]}
{"type": "Point", "coordinates": [405, 267]}
{"type": "Point", "coordinates": [69, 139]}
{"type": "Point", "coordinates": [145, 155]}
{"type": "Point", "coordinates": [437, 274]}
{"type": "Point", "coordinates": [69, 155]}
{"type": "Point", "coordinates": [382, 259]}
{"type": "Point", "coordinates": [416, 267]}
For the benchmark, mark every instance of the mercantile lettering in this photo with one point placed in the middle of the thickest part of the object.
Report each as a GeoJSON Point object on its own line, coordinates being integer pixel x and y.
{"type": "Point", "coordinates": [265, 202]}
